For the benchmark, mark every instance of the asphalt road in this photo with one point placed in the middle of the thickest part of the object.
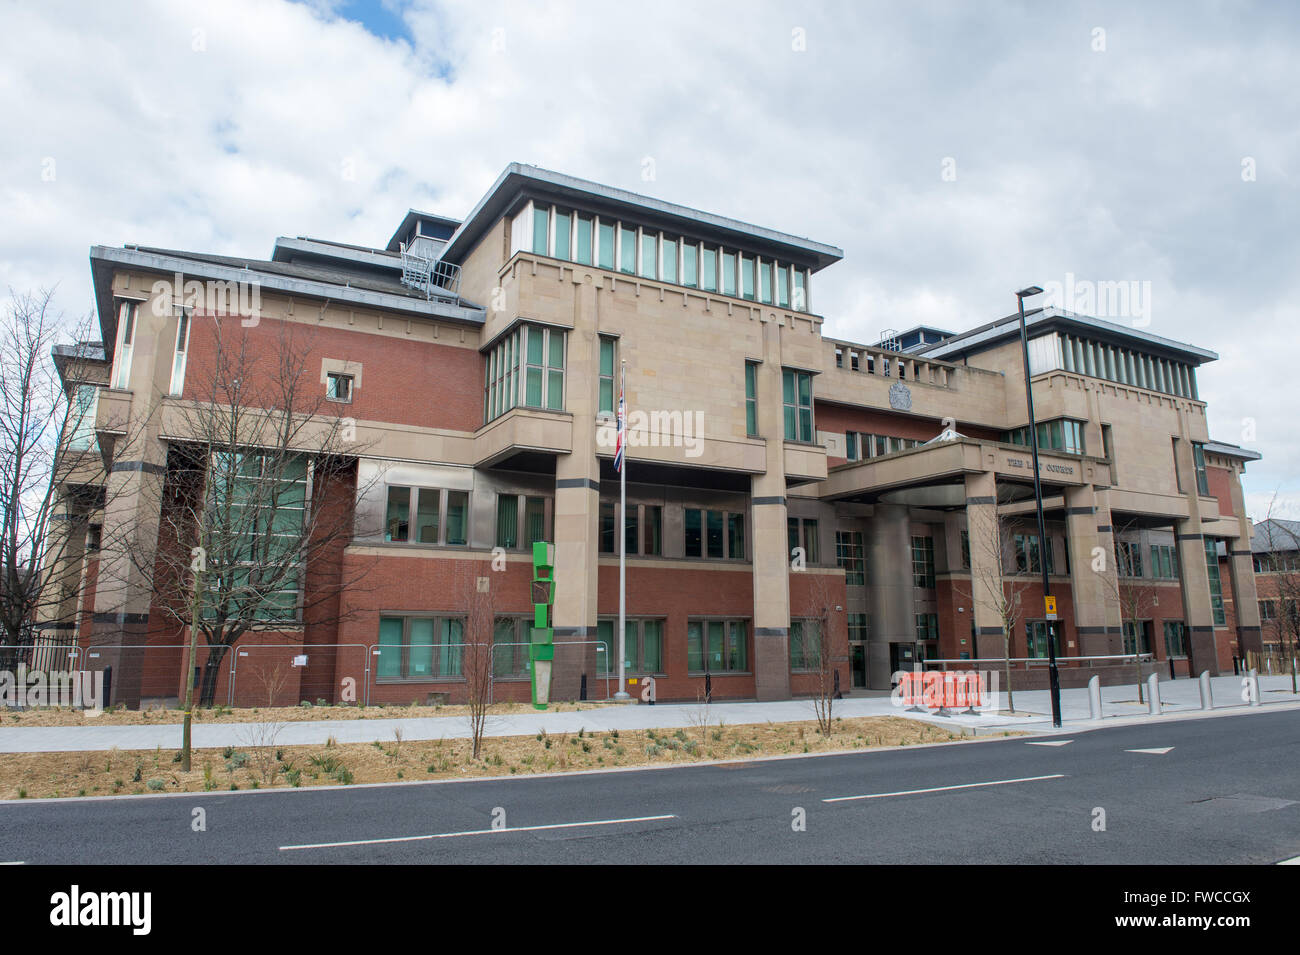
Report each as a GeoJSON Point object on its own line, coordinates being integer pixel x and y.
{"type": "Point", "coordinates": [1227, 792]}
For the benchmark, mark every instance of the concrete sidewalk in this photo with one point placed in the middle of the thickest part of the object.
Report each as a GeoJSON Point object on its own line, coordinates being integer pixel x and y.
{"type": "Point", "coordinates": [1033, 714]}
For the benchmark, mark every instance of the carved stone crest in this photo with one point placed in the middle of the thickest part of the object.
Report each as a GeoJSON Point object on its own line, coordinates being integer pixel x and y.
{"type": "Point", "coordinates": [900, 397]}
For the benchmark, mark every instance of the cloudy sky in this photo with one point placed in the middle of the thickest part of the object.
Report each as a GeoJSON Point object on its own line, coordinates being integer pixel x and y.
{"type": "Point", "coordinates": [955, 152]}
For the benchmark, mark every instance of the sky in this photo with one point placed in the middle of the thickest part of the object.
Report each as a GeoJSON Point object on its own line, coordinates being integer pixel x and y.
{"type": "Point", "coordinates": [955, 152]}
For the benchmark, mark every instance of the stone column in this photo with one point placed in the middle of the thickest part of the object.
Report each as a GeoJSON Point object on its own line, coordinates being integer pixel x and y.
{"type": "Point", "coordinates": [985, 574]}
{"type": "Point", "coordinates": [1241, 568]}
{"type": "Point", "coordinates": [889, 594]}
{"type": "Point", "coordinates": [1095, 592]}
{"type": "Point", "coordinates": [577, 506]}
{"type": "Point", "coordinates": [1198, 613]}
{"type": "Point", "coordinates": [768, 518]}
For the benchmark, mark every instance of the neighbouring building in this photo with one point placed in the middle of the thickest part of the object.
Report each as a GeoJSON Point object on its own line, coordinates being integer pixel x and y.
{"type": "Point", "coordinates": [778, 480]}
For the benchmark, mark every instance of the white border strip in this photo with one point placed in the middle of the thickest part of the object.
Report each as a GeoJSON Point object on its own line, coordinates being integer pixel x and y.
{"type": "Point", "coordinates": [939, 789]}
{"type": "Point", "coordinates": [477, 832]}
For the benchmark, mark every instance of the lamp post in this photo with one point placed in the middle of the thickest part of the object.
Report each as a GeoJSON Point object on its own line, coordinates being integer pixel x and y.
{"type": "Point", "coordinates": [1053, 674]}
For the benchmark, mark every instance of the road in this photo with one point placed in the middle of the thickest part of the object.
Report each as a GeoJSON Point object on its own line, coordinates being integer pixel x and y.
{"type": "Point", "coordinates": [1228, 791]}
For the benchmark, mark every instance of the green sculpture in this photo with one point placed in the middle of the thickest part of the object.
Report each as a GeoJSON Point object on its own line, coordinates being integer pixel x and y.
{"type": "Point", "coordinates": [541, 652]}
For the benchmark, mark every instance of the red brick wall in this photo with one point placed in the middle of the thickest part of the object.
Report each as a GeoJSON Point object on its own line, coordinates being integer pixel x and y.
{"type": "Point", "coordinates": [1220, 483]}
{"type": "Point", "coordinates": [402, 381]}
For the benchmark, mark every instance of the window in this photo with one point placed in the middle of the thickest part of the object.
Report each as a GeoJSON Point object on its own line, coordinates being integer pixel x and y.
{"type": "Point", "coordinates": [690, 265]}
{"type": "Point", "coordinates": [126, 316]}
{"type": "Point", "coordinates": [81, 413]}
{"type": "Point", "coordinates": [540, 352]}
{"type": "Point", "coordinates": [1063, 434]}
{"type": "Point", "coordinates": [338, 387]}
{"type": "Point", "coordinates": [1036, 640]}
{"type": "Point", "coordinates": [643, 646]}
{"type": "Point", "coordinates": [507, 520]}
{"type": "Point", "coordinates": [782, 286]}
{"type": "Point", "coordinates": [800, 300]}
{"type": "Point", "coordinates": [1164, 561]}
{"type": "Point", "coordinates": [923, 562]}
{"type": "Point", "coordinates": [708, 269]}
{"type": "Point", "coordinates": [1137, 636]}
{"type": "Point", "coordinates": [605, 246]}
{"type": "Point", "coordinates": [631, 530]}
{"type": "Point", "coordinates": [510, 639]}
{"type": "Point", "coordinates": [965, 550]}
{"type": "Point", "coordinates": [608, 532]}
{"type": "Point", "coordinates": [1027, 555]}
{"type": "Point", "coordinates": [541, 230]}
{"type": "Point", "coordinates": [747, 277]}
{"type": "Point", "coordinates": [1128, 558]}
{"type": "Point", "coordinates": [797, 398]}
{"type": "Point", "coordinates": [1175, 638]}
{"type": "Point", "coordinates": [848, 555]}
{"type": "Point", "coordinates": [607, 363]}
{"type": "Point", "coordinates": [419, 648]}
{"type": "Point", "coordinates": [717, 646]}
{"type": "Point", "coordinates": [1202, 479]}
{"type": "Point", "coordinates": [1267, 610]}
{"type": "Point", "coordinates": [626, 250]}
{"type": "Point", "coordinates": [260, 501]}
{"type": "Point", "coordinates": [851, 445]}
{"type": "Point", "coordinates": [649, 255]}
{"type": "Point", "coordinates": [927, 626]}
{"type": "Point", "coordinates": [858, 630]}
{"type": "Point", "coordinates": [802, 532]}
{"type": "Point", "coordinates": [583, 243]}
{"type": "Point", "coordinates": [805, 644]}
{"type": "Point", "coordinates": [182, 347]}
{"type": "Point", "coordinates": [669, 271]}
{"type": "Point", "coordinates": [654, 527]}
{"type": "Point", "coordinates": [428, 508]}
{"type": "Point", "coordinates": [765, 283]}
{"type": "Point", "coordinates": [1216, 586]}
{"type": "Point", "coordinates": [751, 399]}
{"type": "Point", "coordinates": [561, 249]}
{"type": "Point", "coordinates": [705, 537]}
{"type": "Point", "coordinates": [728, 273]}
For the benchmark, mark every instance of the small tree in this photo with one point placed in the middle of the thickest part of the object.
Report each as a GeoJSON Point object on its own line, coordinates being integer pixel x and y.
{"type": "Point", "coordinates": [992, 588]}
{"type": "Point", "coordinates": [818, 649]}
{"type": "Point", "coordinates": [479, 600]}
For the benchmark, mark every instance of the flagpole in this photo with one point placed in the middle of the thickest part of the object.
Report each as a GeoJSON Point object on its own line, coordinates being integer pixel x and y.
{"type": "Point", "coordinates": [622, 531]}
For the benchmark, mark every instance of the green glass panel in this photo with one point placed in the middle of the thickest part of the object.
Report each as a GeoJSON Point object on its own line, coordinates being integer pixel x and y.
{"type": "Point", "coordinates": [605, 254]}
{"type": "Point", "coordinates": [627, 250]}
{"type": "Point", "coordinates": [541, 230]}
{"type": "Point", "coordinates": [709, 270]}
{"type": "Point", "coordinates": [584, 241]}
{"type": "Point", "coordinates": [695, 646]}
{"type": "Point", "coordinates": [690, 265]}
{"type": "Point", "coordinates": [728, 273]}
{"type": "Point", "coordinates": [390, 647]}
{"type": "Point", "coordinates": [457, 508]}
{"type": "Point", "coordinates": [563, 228]}
{"type": "Point", "coordinates": [649, 256]}
{"type": "Point", "coordinates": [670, 260]}
{"type": "Point", "coordinates": [419, 654]}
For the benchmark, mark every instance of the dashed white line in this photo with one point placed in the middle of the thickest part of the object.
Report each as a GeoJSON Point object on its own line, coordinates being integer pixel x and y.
{"type": "Point", "coordinates": [477, 832]}
{"type": "Point", "coordinates": [1048, 742]}
{"type": "Point", "coordinates": [1159, 751]}
{"type": "Point", "coordinates": [939, 789]}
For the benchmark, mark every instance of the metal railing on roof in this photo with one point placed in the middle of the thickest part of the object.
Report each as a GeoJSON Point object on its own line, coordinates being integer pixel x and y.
{"type": "Point", "coordinates": [424, 271]}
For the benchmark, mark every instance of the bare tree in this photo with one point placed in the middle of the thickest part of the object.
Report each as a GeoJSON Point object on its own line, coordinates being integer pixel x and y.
{"type": "Point", "coordinates": [257, 503]}
{"type": "Point", "coordinates": [818, 649]}
{"type": "Point", "coordinates": [52, 475]}
{"type": "Point", "coordinates": [1281, 563]}
{"type": "Point", "coordinates": [994, 589]}
{"type": "Point", "coordinates": [479, 601]}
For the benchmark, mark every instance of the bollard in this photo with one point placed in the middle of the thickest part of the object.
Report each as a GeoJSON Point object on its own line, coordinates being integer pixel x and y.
{"type": "Point", "coordinates": [1252, 684]}
{"type": "Point", "coordinates": [1094, 697]}
{"type": "Point", "coordinates": [1153, 695]}
{"type": "Point", "coordinates": [1207, 692]}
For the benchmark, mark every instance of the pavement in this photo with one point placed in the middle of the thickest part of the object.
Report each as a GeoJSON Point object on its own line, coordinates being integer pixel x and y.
{"type": "Point", "coordinates": [1180, 698]}
{"type": "Point", "coordinates": [1222, 791]}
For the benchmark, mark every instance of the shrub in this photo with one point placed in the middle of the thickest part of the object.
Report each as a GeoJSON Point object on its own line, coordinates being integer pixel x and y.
{"type": "Point", "coordinates": [155, 784]}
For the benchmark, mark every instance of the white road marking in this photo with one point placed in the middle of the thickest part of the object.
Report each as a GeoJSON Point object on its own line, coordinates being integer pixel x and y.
{"type": "Point", "coordinates": [1154, 752]}
{"type": "Point", "coordinates": [477, 832]}
{"type": "Point", "coordinates": [13, 863]}
{"type": "Point", "coordinates": [1295, 861]}
{"type": "Point", "coordinates": [939, 789]}
{"type": "Point", "coordinates": [1048, 742]}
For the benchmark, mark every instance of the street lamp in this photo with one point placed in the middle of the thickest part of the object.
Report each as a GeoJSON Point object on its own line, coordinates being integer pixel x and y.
{"type": "Point", "coordinates": [1053, 674]}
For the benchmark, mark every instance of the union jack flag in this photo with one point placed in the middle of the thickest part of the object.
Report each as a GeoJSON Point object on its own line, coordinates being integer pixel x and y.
{"type": "Point", "coordinates": [622, 431]}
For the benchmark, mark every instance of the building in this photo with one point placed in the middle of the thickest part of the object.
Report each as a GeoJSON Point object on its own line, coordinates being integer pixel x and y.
{"type": "Point", "coordinates": [1276, 550]}
{"type": "Point", "coordinates": [779, 480]}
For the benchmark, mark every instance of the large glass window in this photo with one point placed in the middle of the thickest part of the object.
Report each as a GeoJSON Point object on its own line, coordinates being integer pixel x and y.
{"type": "Point", "coordinates": [526, 368]}
{"type": "Point", "coordinates": [627, 250]}
{"type": "Point", "coordinates": [717, 535]}
{"type": "Point", "coordinates": [765, 283]}
{"type": "Point", "coordinates": [563, 235]}
{"type": "Point", "coordinates": [1036, 639]}
{"type": "Point", "coordinates": [1216, 586]}
{"type": "Point", "coordinates": [728, 273]}
{"type": "Point", "coordinates": [1128, 558]}
{"type": "Point", "coordinates": [923, 561]}
{"type": "Point", "coordinates": [649, 255]}
{"type": "Point", "coordinates": [584, 237]}
{"type": "Point", "coordinates": [805, 644]}
{"type": "Point", "coordinates": [654, 525]}
{"type": "Point", "coordinates": [1175, 638]}
{"type": "Point", "coordinates": [457, 517]}
{"type": "Point", "coordinates": [606, 405]}
{"type": "Point", "coordinates": [1164, 561]}
{"type": "Point", "coordinates": [541, 230]}
{"type": "Point", "coordinates": [423, 649]}
{"type": "Point", "coordinates": [848, 555]}
{"type": "Point", "coordinates": [507, 520]}
{"type": "Point", "coordinates": [643, 646]}
{"type": "Point", "coordinates": [669, 273]}
{"type": "Point", "coordinates": [605, 250]}
{"type": "Point", "coordinates": [803, 533]}
{"type": "Point", "coordinates": [1029, 555]}
{"type": "Point", "coordinates": [751, 399]}
{"type": "Point", "coordinates": [1137, 636]}
{"type": "Point", "coordinates": [708, 269]}
{"type": "Point", "coordinates": [1202, 477]}
{"type": "Point", "coordinates": [85, 401]}
{"type": "Point", "coordinates": [510, 638]}
{"type": "Point", "coordinates": [717, 646]}
{"type": "Point", "coordinates": [126, 316]}
{"type": "Point", "coordinates": [746, 277]}
{"type": "Point", "coordinates": [797, 399]}
{"type": "Point", "coordinates": [690, 264]}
